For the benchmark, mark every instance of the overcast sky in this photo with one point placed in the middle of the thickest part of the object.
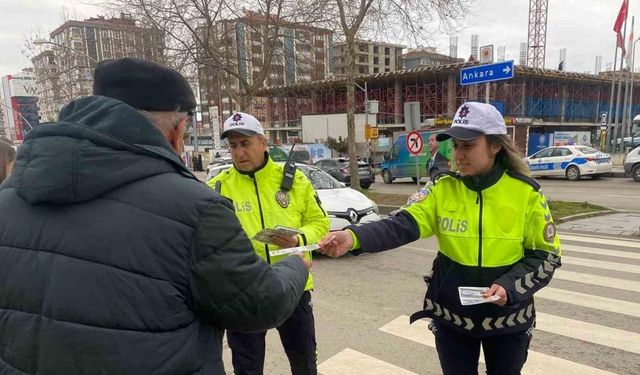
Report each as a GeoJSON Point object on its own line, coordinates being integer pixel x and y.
{"type": "Point", "coordinates": [584, 27]}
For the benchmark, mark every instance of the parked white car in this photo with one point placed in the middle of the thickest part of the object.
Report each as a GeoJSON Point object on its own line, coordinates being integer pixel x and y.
{"type": "Point", "coordinates": [345, 206]}
{"type": "Point", "coordinates": [632, 164]}
{"type": "Point", "coordinates": [571, 162]}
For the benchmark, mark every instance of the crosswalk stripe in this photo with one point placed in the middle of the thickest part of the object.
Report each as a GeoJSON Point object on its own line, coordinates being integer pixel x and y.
{"type": "Point", "coordinates": [537, 363]}
{"type": "Point", "coordinates": [352, 362]}
{"type": "Point", "coordinates": [600, 240]}
{"type": "Point", "coordinates": [609, 282]}
{"type": "Point", "coordinates": [594, 333]}
{"type": "Point", "coordinates": [621, 267]}
{"type": "Point", "coordinates": [598, 251]}
{"type": "Point", "coordinates": [590, 301]}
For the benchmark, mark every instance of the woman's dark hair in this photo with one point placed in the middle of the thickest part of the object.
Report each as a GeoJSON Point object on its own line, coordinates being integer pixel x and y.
{"type": "Point", "coordinates": [509, 155]}
{"type": "Point", "coordinates": [7, 155]}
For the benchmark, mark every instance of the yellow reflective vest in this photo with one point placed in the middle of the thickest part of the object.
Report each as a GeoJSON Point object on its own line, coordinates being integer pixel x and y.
{"type": "Point", "coordinates": [260, 203]}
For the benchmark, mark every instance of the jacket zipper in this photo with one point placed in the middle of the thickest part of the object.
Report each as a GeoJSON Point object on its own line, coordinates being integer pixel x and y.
{"type": "Point", "coordinates": [479, 200]}
{"type": "Point", "coordinates": [266, 246]}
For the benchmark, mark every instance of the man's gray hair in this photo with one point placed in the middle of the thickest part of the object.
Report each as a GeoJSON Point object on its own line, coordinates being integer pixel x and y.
{"type": "Point", "coordinates": [165, 121]}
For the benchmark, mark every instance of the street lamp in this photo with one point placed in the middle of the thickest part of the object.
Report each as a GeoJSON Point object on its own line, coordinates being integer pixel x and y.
{"type": "Point", "coordinates": [40, 42]}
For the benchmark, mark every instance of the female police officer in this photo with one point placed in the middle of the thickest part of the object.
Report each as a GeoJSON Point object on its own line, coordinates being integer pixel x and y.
{"type": "Point", "coordinates": [494, 230]}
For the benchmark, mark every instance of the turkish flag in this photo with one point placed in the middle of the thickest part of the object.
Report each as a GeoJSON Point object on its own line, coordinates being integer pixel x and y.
{"type": "Point", "coordinates": [622, 17]}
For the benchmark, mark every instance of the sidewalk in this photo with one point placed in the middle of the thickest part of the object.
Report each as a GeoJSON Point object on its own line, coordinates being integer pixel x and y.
{"type": "Point", "coordinates": [616, 224]}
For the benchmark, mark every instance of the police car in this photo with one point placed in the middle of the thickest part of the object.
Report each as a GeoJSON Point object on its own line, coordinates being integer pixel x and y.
{"type": "Point", "coordinates": [571, 162]}
{"type": "Point", "coordinates": [345, 206]}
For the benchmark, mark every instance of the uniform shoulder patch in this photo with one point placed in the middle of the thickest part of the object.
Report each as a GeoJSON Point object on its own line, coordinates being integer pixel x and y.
{"type": "Point", "coordinates": [549, 232]}
{"type": "Point", "coordinates": [527, 179]}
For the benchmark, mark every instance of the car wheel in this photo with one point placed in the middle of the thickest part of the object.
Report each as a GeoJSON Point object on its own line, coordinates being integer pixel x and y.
{"type": "Point", "coordinates": [386, 176]}
{"type": "Point", "coordinates": [635, 173]}
{"type": "Point", "coordinates": [414, 179]}
{"type": "Point", "coordinates": [365, 185]}
{"type": "Point", "coordinates": [573, 173]}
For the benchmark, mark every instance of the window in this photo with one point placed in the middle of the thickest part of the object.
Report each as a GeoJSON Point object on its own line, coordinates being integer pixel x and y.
{"type": "Point", "coordinates": [387, 61]}
{"type": "Point", "coordinates": [376, 60]}
{"type": "Point", "coordinates": [561, 152]}
{"type": "Point", "coordinates": [376, 70]}
{"type": "Point", "coordinates": [386, 51]}
{"type": "Point", "coordinates": [376, 49]}
{"type": "Point", "coordinates": [543, 154]}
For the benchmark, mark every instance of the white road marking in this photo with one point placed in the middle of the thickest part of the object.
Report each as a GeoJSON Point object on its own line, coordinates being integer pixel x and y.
{"type": "Point", "coordinates": [600, 240]}
{"type": "Point", "coordinates": [599, 251]}
{"type": "Point", "coordinates": [609, 282]}
{"type": "Point", "coordinates": [351, 362]}
{"type": "Point", "coordinates": [591, 301]}
{"type": "Point", "coordinates": [537, 363]}
{"type": "Point", "coordinates": [593, 333]}
{"type": "Point", "coordinates": [613, 266]}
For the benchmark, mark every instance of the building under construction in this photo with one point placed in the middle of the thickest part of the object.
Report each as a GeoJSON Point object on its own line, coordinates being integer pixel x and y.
{"type": "Point", "coordinates": [536, 103]}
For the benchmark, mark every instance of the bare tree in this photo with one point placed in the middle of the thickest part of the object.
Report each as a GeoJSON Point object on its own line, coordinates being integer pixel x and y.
{"type": "Point", "coordinates": [201, 35]}
{"type": "Point", "coordinates": [407, 20]}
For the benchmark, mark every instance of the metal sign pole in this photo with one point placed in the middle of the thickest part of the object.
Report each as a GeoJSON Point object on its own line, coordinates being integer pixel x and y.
{"type": "Point", "coordinates": [417, 170]}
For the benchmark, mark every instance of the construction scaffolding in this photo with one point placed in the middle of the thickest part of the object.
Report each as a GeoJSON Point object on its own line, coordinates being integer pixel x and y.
{"type": "Point", "coordinates": [547, 95]}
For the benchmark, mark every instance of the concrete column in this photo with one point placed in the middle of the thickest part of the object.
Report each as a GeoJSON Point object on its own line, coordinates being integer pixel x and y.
{"type": "Point", "coordinates": [451, 95]}
{"type": "Point", "coordinates": [564, 92]}
{"type": "Point", "coordinates": [314, 97]}
{"type": "Point", "coordinates": [398, 109]}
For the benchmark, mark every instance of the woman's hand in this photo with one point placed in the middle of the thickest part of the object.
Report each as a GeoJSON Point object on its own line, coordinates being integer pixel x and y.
{"type": "Point", "coordinates": [336, 244]}
{"type": "Point", "coordinates": [496, 290]}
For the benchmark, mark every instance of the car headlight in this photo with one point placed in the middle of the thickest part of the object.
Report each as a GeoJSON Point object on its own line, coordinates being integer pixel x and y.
{"type": "Point", "coordinates": [375, 207]}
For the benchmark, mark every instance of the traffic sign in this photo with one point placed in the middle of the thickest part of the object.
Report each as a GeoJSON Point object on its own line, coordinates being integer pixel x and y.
{"type": "Point", "coordinates": [486, 73]}
{"type": "Point", "coordinates": [415, 143]}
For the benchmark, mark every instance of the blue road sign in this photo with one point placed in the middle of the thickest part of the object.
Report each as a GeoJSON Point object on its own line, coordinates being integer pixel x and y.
{"type": "Point", "coordinates": [486, 73]}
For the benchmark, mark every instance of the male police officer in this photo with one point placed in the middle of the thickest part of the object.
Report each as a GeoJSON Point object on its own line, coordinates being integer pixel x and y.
{"type": "Point", "coordinates": [266, 194]}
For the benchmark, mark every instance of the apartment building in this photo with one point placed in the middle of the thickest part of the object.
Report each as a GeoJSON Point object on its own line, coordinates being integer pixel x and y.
{"type": "Point", "coordinates": [419, 57]}
{"type": "Point", "coordinates": [371, 57]}
{"type": "Point", "coordinates": [301, 53]}
{"type": "Point", "coordinates": [65, 71]}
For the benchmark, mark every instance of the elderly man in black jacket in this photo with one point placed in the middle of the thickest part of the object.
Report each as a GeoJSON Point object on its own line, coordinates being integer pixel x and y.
{"type": "Point", "coordinates": [114, 258]}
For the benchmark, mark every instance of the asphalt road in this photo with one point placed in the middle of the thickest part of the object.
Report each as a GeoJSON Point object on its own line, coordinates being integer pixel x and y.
{"type": "Point", "coordinates": [617, 193]}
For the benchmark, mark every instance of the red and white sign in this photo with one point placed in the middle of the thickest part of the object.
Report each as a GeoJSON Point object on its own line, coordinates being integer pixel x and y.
{"type": "Point", "coordinates": [415, 143]}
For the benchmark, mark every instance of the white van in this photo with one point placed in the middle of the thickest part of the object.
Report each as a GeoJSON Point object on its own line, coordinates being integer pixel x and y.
{"type": "Point", "coordinates": [632, 164]}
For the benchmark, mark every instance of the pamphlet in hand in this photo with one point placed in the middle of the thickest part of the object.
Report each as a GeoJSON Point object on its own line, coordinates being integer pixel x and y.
{"type": "Point", "coordinates": [293, 250]}
{"type": "Point", "coordinates": [471, 295]}
{"type": "Point", "coordinates": [267, 234]}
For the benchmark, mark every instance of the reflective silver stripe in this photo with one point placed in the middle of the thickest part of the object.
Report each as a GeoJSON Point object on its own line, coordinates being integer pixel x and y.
{"type": "Point", "coordinates": [469, 325]}
{"type": "Point", "coordinates": [438, 311]}
{"type": "Point", "coordinates": [529, 312]}
{"type": "Point", "coordinates": [485, 324]}
{"type": "Point", "coordinates": [447, 317]}
{"type": "Point", "coordinates": [456, 320]}
{"type": "Point", "coordinates": [510, 321]}
{"type": "Point", "coordinates": [520, 317]}
{"type": "Point", "coordinates": [527, 280]}
{"type": "Point", "coordinates": [519, 288]}
{"type": "Point", "coordinates": [429, 304]}
{"type": "Point", "coordinates": [541, 274]}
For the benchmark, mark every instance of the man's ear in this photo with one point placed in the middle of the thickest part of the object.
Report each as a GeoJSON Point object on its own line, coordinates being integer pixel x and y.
{"type": "Point", "coordinates": [176, 136]}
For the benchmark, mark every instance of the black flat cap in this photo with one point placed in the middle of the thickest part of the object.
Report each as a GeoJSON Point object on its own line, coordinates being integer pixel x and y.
{"type": "Point", "coordinates": [143, 85]}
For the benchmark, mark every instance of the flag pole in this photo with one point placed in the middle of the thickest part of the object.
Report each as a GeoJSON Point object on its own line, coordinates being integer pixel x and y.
{"type": "Point", "coordinates": [627, 78]}
{"type": "Point", "coordinates": [610, 114]}
{"type": "Point", "coordinates": [620, 80]}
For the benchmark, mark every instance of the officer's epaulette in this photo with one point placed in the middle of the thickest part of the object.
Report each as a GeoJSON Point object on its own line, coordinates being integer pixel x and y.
{"type": "Point", "coordinates": [443, 173]}
{"type": "Point", "coordinates": [527, 179]}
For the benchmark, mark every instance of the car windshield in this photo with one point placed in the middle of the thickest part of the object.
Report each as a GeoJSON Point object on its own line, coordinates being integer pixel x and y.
{"type": "Point", "coordinates": [320, 179]}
